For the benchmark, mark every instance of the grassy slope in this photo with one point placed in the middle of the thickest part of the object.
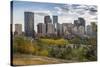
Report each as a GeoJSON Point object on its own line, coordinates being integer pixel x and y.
{"type": "Point", "coordinates": [35, 60]}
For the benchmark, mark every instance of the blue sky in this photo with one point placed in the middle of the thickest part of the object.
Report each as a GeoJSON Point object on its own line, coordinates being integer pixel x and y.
{"type": "Point", "coordinates": [67, 13]}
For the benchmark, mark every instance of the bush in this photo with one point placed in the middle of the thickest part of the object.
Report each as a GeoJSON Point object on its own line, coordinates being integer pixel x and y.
{"type": "Point", "coordinates": [21, 45]}
{"type": "Point", "coordinates": [53, 42]}
{"type": "Point", "coordinates": [57, 48]}
{"type": "Point", "coordinates": [44, 53]}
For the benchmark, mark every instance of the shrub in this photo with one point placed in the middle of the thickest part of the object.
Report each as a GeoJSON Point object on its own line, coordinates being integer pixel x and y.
{"type": "Point", "coordinates": [44, 53]}
{"type": "Point", "coordinates": [22, 45]}
{"type": "Point", "coordinates": [53, 42]}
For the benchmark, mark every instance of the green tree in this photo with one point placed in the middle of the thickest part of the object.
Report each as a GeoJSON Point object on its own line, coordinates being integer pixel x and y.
{"type": "Point", "coordinates": [22, 45]}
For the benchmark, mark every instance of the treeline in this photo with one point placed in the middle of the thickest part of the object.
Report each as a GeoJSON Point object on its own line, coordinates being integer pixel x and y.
{"type": "Point", "coordinates": [78, 49]}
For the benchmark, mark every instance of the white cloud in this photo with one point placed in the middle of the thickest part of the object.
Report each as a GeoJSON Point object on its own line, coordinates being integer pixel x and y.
{"type": "Point", "coordinates": [65, 19]}
{"type": "Point", "coordinates": [68, 13]}
{"type": "Point", "coordinates": [58, 8]}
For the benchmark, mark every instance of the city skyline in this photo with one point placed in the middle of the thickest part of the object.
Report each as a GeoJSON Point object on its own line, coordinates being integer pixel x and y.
{"type": "Point", "coordinates": [53, 33]}
{"type": "Point", "coordinates": [66, 13]}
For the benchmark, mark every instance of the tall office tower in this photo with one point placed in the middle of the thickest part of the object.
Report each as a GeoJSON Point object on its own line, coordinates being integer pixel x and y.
{"type": "Point", "coordinates": [94, 28]}
{"type": "Point", "coordinates": [76, 23]}
{"type": "Point", "coordinates": [41, 29]}
{"type": "Point", "coordinates": [89, 30]}
{"type": "Point", "coordinates": [68, 26]}
{"type": "Point", "coordinates": [81, 21]}
{"type": "Point", "coordinates": [18, 29]}
{"type": "Point", "coordinates": [55, 22]}
{"type": "Point", "coordinates": [65, 30]}
{"type": "Point", "coordinates": [55, 19]}
{"type": "Point", "coordinates": [81, 30]}
{"type": "Point", "coordinates": [50, 29]}
{"type": "Point", "coordinates": [75, 30]}
{"type": "Point", "coordinates": [79, 25]}
{"type": "Point", "coordinates": [29, 24]}
{"type": "Point", "coordinates": [59, 29]}
{"type": "Point", "coordinates": [47, 19]}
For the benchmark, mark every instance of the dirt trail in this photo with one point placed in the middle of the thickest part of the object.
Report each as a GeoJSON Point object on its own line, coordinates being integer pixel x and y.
{"type": "Point", "coordinates": [36, 60]}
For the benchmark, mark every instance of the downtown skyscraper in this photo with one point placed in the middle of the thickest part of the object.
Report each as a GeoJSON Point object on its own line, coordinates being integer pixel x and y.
{"type": "Point", "coordinates": [55, 20]}
{"type": "Point", "coordinates": [41, 29]}
{"type": "Point", "coordinates": [55, 23]}
{"type": "Point", "coordinates": [18, 29]}
{"type": "Point", "coordinates": [79, 26]}
{"type": "Point", "coordinates": [47, 19]}
{"type": "Point", "coordinates": [29, 24]}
